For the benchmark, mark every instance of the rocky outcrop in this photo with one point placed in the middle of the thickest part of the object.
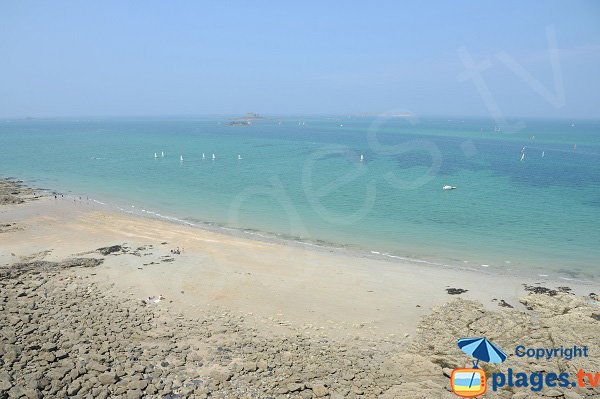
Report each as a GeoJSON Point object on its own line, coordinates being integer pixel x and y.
{"type": "Point", "coordinates": [556, 318]}
{"type": "Point", "coordinates": [14, 192]}
{"type": "Point", "coordinates": [42, 266]}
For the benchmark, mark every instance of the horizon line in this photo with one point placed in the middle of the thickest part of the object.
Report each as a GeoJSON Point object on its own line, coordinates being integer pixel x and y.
{"type": "Point", "coordinates": [398, 115]}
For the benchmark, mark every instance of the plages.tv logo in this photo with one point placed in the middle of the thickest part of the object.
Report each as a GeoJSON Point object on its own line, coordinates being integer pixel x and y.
{"type": "Point", "coordinates": [471, 382]}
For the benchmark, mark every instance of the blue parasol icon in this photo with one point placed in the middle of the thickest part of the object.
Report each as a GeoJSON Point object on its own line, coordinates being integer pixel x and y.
{"type": "Point", "coordinates": [482, 350]}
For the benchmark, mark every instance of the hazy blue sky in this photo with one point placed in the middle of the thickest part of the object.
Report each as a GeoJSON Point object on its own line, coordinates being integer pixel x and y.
{"type": "Point", "coordinates": [74, 58]}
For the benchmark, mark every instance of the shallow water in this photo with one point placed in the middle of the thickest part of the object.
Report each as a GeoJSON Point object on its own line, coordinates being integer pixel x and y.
{"type": "Point", "coordinates": [302, 178]}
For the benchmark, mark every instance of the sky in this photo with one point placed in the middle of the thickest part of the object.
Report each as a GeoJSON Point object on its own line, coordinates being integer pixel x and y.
{"type": "Point", "coordinates": [153, 58]}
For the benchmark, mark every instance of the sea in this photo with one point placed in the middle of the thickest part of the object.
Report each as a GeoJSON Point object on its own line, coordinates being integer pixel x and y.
{"type": "Point", "coordinates": [526, 197]}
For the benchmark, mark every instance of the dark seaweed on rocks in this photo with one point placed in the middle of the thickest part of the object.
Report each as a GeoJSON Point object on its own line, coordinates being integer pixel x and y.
{"type": "Point", "coordinates": [505, 304]}
{"type": "Point", "coordinates": [540, 290]}
{"type": "Point", "coordinates": [456, 291]}
{"type": "Point", "coordinates": [109, 250]}
{"type": "Point", "coordinates": [564, 289]}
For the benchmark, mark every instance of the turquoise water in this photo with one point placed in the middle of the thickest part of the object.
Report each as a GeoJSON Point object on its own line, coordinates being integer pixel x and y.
{"type": "Point", "coordinates": [302, 178]}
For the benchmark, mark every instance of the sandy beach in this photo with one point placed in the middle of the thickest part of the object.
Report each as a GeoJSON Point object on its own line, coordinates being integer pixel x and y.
{"type": "Point", "coordinates": [355, 325]}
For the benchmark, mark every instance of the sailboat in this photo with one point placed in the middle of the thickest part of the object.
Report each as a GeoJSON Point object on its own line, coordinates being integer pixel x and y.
{"type": "Point", "coordinates": [155, 156]}
{"type": "Point", "coordinates": [239, 157]}
{"type": "Point", "coordinates": [181, 158]}
{"type": "Point", "coordinates": [213, 157]}
{"type": "Point", "coordinates": [203, 157]}
{"type": "Point", "coordinates": [162, 154]}
{"type": "Point", "coordinates": [522, 156]}
{"type": "Point", "coordinates": [543, 153]}
{"type": "Point", "coordinates": [362, 158]}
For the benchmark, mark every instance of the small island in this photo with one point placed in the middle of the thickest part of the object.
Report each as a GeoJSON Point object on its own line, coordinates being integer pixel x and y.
{"type": "Point", "coordinates": [245, 120]}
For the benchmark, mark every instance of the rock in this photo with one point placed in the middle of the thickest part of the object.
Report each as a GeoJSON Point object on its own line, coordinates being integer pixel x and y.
{"type": "Point", "coordinates": [48, 357]}
{"type": "Point", "coordinates": [320, 390]}
{"type": "Point", "coordinates": [73, 388]}
{"type": "Point", "coordinates": [306, 394]}
{"type": "Point", "coordinates": [16, 392]}
{"type": "Point", "coordinates": [250, 367]}
{"type": "Point", "coordinates": [97, 367]}
{"type": "Point", "coordinates": [49, 346]}
{"type": "Point", "coordinates": [572, 395]}
{"type": "Point", "coordinates": [221, 375]}
{"type": "Point", "coordinates": [5, 385]}
{"type": "Point", "coordinates": [139, 384]}
{"type": "Point", "coordinates": [107, 378]}
{"type": "Point", "coordinates": [31, 393]}
{"type": "Point", "coordinates": [57, 373]}
{"type": "Point", "coordinates": [134, 394]}
{"type": "Point", "coordinates": [4, 376]}
{"type": "Point", "coordinates": [293, 387]}
{"type": "Point", "coordinates": [151, 389]}
{"type": "Point", "coordinates": [347, 375]}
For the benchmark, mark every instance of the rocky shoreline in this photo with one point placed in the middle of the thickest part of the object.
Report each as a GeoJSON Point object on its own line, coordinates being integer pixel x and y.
{"type": "Point", "coordinates": [62, 336]}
